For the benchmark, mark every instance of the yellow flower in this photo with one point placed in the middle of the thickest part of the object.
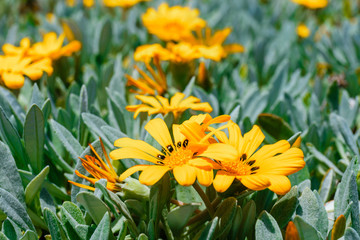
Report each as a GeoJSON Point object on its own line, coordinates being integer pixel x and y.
{"type": "Point", "coordinates": [52, 47]}
{"type": "Point", "coordinates": [13, 69]}
{"type": "Point", "coordinates": [313, 4]}
{"type": "Point", "coordinates": [146, 53]}
{"type": "Point", "coordinates": [122, 3]}
{"type": "Point", "coordinates": [211, 46]}
{"type": "Point", "coordinates": [70, 3]}
{"type": "Point", "coordinates": [172, 23]}
{"type": "Point", "coordinates": [10, 49]}
{"type": "Point", "coordinates": [159, 104]}
{"type": "Point", "coordinates": [176, 156]}
{"type": "Point", "coordinates": [98, 169]}
{"type": "Point", "coordinates": [303, 31]}
{"type": "Point", "coordinates": [88, 3]}
{"type": "Point", "coordinates": [183, 52]}
{"type": "Point", "coordinates": [147, 85]}
{"type": "Point", "coordinates": [257, 170]}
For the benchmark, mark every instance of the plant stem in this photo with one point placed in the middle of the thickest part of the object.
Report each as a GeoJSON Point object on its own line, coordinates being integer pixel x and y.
{"type": "Point", "coordinates": [205, 199]}
{"type": "Point", "coordinates": [204, 214]}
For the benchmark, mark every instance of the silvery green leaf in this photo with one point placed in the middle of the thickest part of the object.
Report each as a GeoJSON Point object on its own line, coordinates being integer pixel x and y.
{"type": "Point", "coordinates": [267, 228]}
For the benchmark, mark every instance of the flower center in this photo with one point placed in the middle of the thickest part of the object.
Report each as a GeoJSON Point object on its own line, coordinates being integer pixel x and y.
{"type": "Point", "coordinates": [241, 167]}
{"type": "Point", "coordinates": [178, 157]}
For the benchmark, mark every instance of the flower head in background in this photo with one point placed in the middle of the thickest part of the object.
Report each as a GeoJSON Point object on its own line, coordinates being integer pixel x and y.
{"type": "Point", "coordinates": [14, 68]}
{"type": "Point", "coordinates": [122, 3]}
{"type": "Point", "coordinates": [98, 169]}
{"type": "Point", "coordinates": [88, 3]}
{"type": "Point", "coordinates": [159, 104]}
{"type": "Point", "coordinates": [177, 156]}
{"type": "Point", "coordinates": [22, 50]}
{"type": "Point", "coordinates": [312, 4]}
{"type": "Point", "coordinates": [52, 47]}
{"type": "Point", "coordinates": [303, 31]}
{"type": "Point", "coordinates": [172, 23]}
{"type": "Point", "coordinates": [266, 167]}
{"type": "Point", "coordinates": [147, 85]}
{"type": "Point", "coordinates": [146, 53]}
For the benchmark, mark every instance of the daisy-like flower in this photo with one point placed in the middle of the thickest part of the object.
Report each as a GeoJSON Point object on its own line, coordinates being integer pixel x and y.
{"type": "Point", "coordinates": [146, 53]}
{"type": "Point", "coordinates": [98, 169]}
{"type": "Point", "coordinates": [52, 47]}
{"type": "Point", "coordinates": [147, 85]}
{"type": "Point", "coordinates": [183, 52]}
{"type": "Point", "coordinates": [14, 68]}
{"type": "Point", "coordinates": [122, 3]}
{"type": "Point", "coordinates": [303, 31]}
{"type": "Point", "coordinates": [211, 45]}
{"type": "Point", "coordinates": [10, 49]}
{"type": "Point", "coordinates": [312, 4]}
{"type": "Point", "coordinates": [268, 167]}
{"type": "Point", "coordinates": [158, 104]}
{"type": "Point", "coordinates": [172, 23]}
{"type": "Point", "coordinates": [177, 155]}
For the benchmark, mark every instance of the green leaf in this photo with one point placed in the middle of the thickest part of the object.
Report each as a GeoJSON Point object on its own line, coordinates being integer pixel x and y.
{"type": "Point", "coordinates": [188, 195]}
{"type": "Point", "coordinates": [226, 212]}
{"type": "Point", "coordinates": [338, 228]}
{"type": "Point", "coordinates": [209, 232]}
{"type": "Point", "coordinates": [55, 157]}
{"type": "Point", "coordinates": [29, 235]}
{"type": "Point", "coordinates": [74, 211]}
{"type": "Point", "coordinates": [11, 101]}
{"type": "Point", "coordinates": [248, 220]}
{"type": "Point", "coordinates": [102, 40]}
{"type": "Point", "coordinates": [323, 159]}
{"type": "Point", "coordinates": [142, 236]}
{"type": "Point", "coordinates": [189, 87]}
{"type": "Point", "coordinates": [351, 234]}
{"type": "Point", "coordinates": [3, 237]}
{"type": "Point", "coordinates": [306, 231]}
{"type": "Point", "coordinates": [348, 108]}
{"type": "Point", "coordinates": [94, 123]}
{"type": "Point", "coordinates": [178, 217]}
{"type": "Point", "coordinates": [11, 230]}
{"type": "Point", "coordinates": [37, 98]}
{"type": "Point", "coordinates": [327, 186]}
{"type": "Point", "coordinates": [93, 205]}
{"type": "Point", "coordinates": [15, 210]}
{"type": "Point", "coordinates": [53, 224]}
{"type": "Point", "coordinates": [266, 227]}
{"type": "Point", "coordinates": [70, 143]}
{"type": "Point", "coordinates": [103, 229]}
{"type": "Point", "coordinates": [236, 225]}
{"type": "Point", "coordinates": [283, 209]}
{"type": "Point", "coordinates": [312, 210]}
{"type": "Point", "coordinates": [34, 187]}
{"type": "Point", "coordinates": [282, 131]}
{"type": "Point", "coordinates": [34, 137]}
{"type": "Point", "coordinates": [293, 138]}
{"type": "Point", "coordinates": [9, 177]}
{"type": "Point", "coordinates": [9, 134]}
{"type": "Point", "coordinates": [46, 109]}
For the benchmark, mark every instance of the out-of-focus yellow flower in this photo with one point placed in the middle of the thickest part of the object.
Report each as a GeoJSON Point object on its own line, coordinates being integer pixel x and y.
{"type": "Point", "coordinates": [70, 3]}
{"type": "Point", "coordinates": [88, 3]}
{"type": "Point", "coordinates": [98, 169]}
{"type": "Point", "coordinates": [13, 69]}
{"type": "Point", "coordinates": [146, 84]}
{"type": "Point", "coordinates": [52, 47]}
{"type": "Point", "coordinates": [10, 49]}
{"type": "Point", "coordinates": [183, 51]}
{"type": "Point", "coordinates": [177, 105]}
{"type": "Point", "coordinates": [146, 53]}
{"type": "Point", "coordinates": [313, 4]}
{"type": "Point", "coordinates": [303, 31]}
{"type": "Point", "coordinates": [50, 17]}
{"type": "Point", "coordinates": [122, 3]}
{"type": "Point", "coordinates": [172, 23]}
{"type": "Point", "coordinates": [211, 45]}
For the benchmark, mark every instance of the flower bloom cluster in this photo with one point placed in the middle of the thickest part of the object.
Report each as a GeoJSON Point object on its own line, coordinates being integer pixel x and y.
{"type": "Point", "coordinates": [198, 151]}
{"type": "Point", "coordinates": [176, 25]}
{"type": "Point", "coordinates": [32, 60]}
{"type": "Point", "coordinates": [312, 4]}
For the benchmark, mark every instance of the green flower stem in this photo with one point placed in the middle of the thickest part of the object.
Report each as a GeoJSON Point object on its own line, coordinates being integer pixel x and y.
{"type": "Point", "coordinates": [205, 199]}
{"type": "Point", "coordinates": [204, 213]}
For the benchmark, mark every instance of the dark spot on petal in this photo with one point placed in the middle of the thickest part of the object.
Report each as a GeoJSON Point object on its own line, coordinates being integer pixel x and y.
{"type": "Point", "coordinates": [185, 143]}
{"type": "Point", "coordinates": [179, 144]}
{"type": "Point", "coordinates": [250, 163]}
{"type": "Point", "coordinates": [162, 157]}
{"type": "Point", "coordinates": [195, 153]}
{"type": "Point", "coordinates": [252, 173]}
{"type": "Point", "coordinates": [170, 148]}
{"type": "Point", "coordinates": [254, 169]}
{"type": "Point", "coordinates": [160, 162]}
{"type": "Point", "coordinates": [243, 157]}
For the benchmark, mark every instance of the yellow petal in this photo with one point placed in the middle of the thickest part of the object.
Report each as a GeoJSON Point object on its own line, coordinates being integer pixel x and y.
{"type": "Point", "coordinates": [205, 107]}
{"type": "Point", "coordinates": [13, 80]}
{"type": "Point", "coordinates": [222, 181]}
{"type": "Point", "coordinates": [128, 152]}
{"type": "Point", "coordinates": [221, 152]}
{"type": "Point", "coordinates": [149, 100]}
{"type": "Point", "coordinates": [178, 136]}
{"type": "Point", "coordinates": [188, 101]}
{"type": "Point", "coordinates": [235, 137]}
{"type": "Point", "coordinates": [255, 182]}
{"type": "Point", "coordinates": [270, 150]}
{"type": "Point", "coordinates": [143, 146]}
{"type": "Point", "coordinates": [132, 170]}
{"type": "Point", "coordinates": [152, 174]}
{"type": "Point", "coordinates": [205, 177]}
{"type": "Point", "coordinates": [185, 175]}
{"type": "Point", "coordinates": [252, 141]}
{"type": "Point", "coordinates": [159, 131]}
{"type": "Point", "coordinates": [82, 185]}
{"type": "Point", "coordinates": [175, 100]}
{"type": "Point", "coordinates": [204, 163]}
{"type": "Point", "coordinates": [234, 48]}
{"type": "Point", "coordinates": [279, 184]}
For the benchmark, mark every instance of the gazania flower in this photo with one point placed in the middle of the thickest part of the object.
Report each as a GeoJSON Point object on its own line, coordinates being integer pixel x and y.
{"type": "Point", "coordinates": [146, 84]}
{"type": "Point", "coordinates": [172, 23]}
{"type": "Point", "coordinates": [10, 49]}
{"type": "Point", "coordinates": [146, 53]}
{"type": "Point", "coordinates": [88, 3]}
{"type": "Point", "coordinates": [177, 156]}
{"type": "Point", "coordinates": [52, 47]}
{"type": "Point", "coordinates": [211, 46]}
{"type": "Point", "coordinates": [159, 104]}
{"type": "Point", "coordinates": [265, 168]}
{"type": "Point", "coordinates": [303, 31]}
{"type": "Point", "coordinates": [122, 3]}
{"type": "Point", "coordinates": [98, 169]}
{"type": "Point", "coordinates": [14, 68]}
{"type": "Point", "coordinates": [183, 52]}
{"type": "Point", "coordinates": [313, 4]}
